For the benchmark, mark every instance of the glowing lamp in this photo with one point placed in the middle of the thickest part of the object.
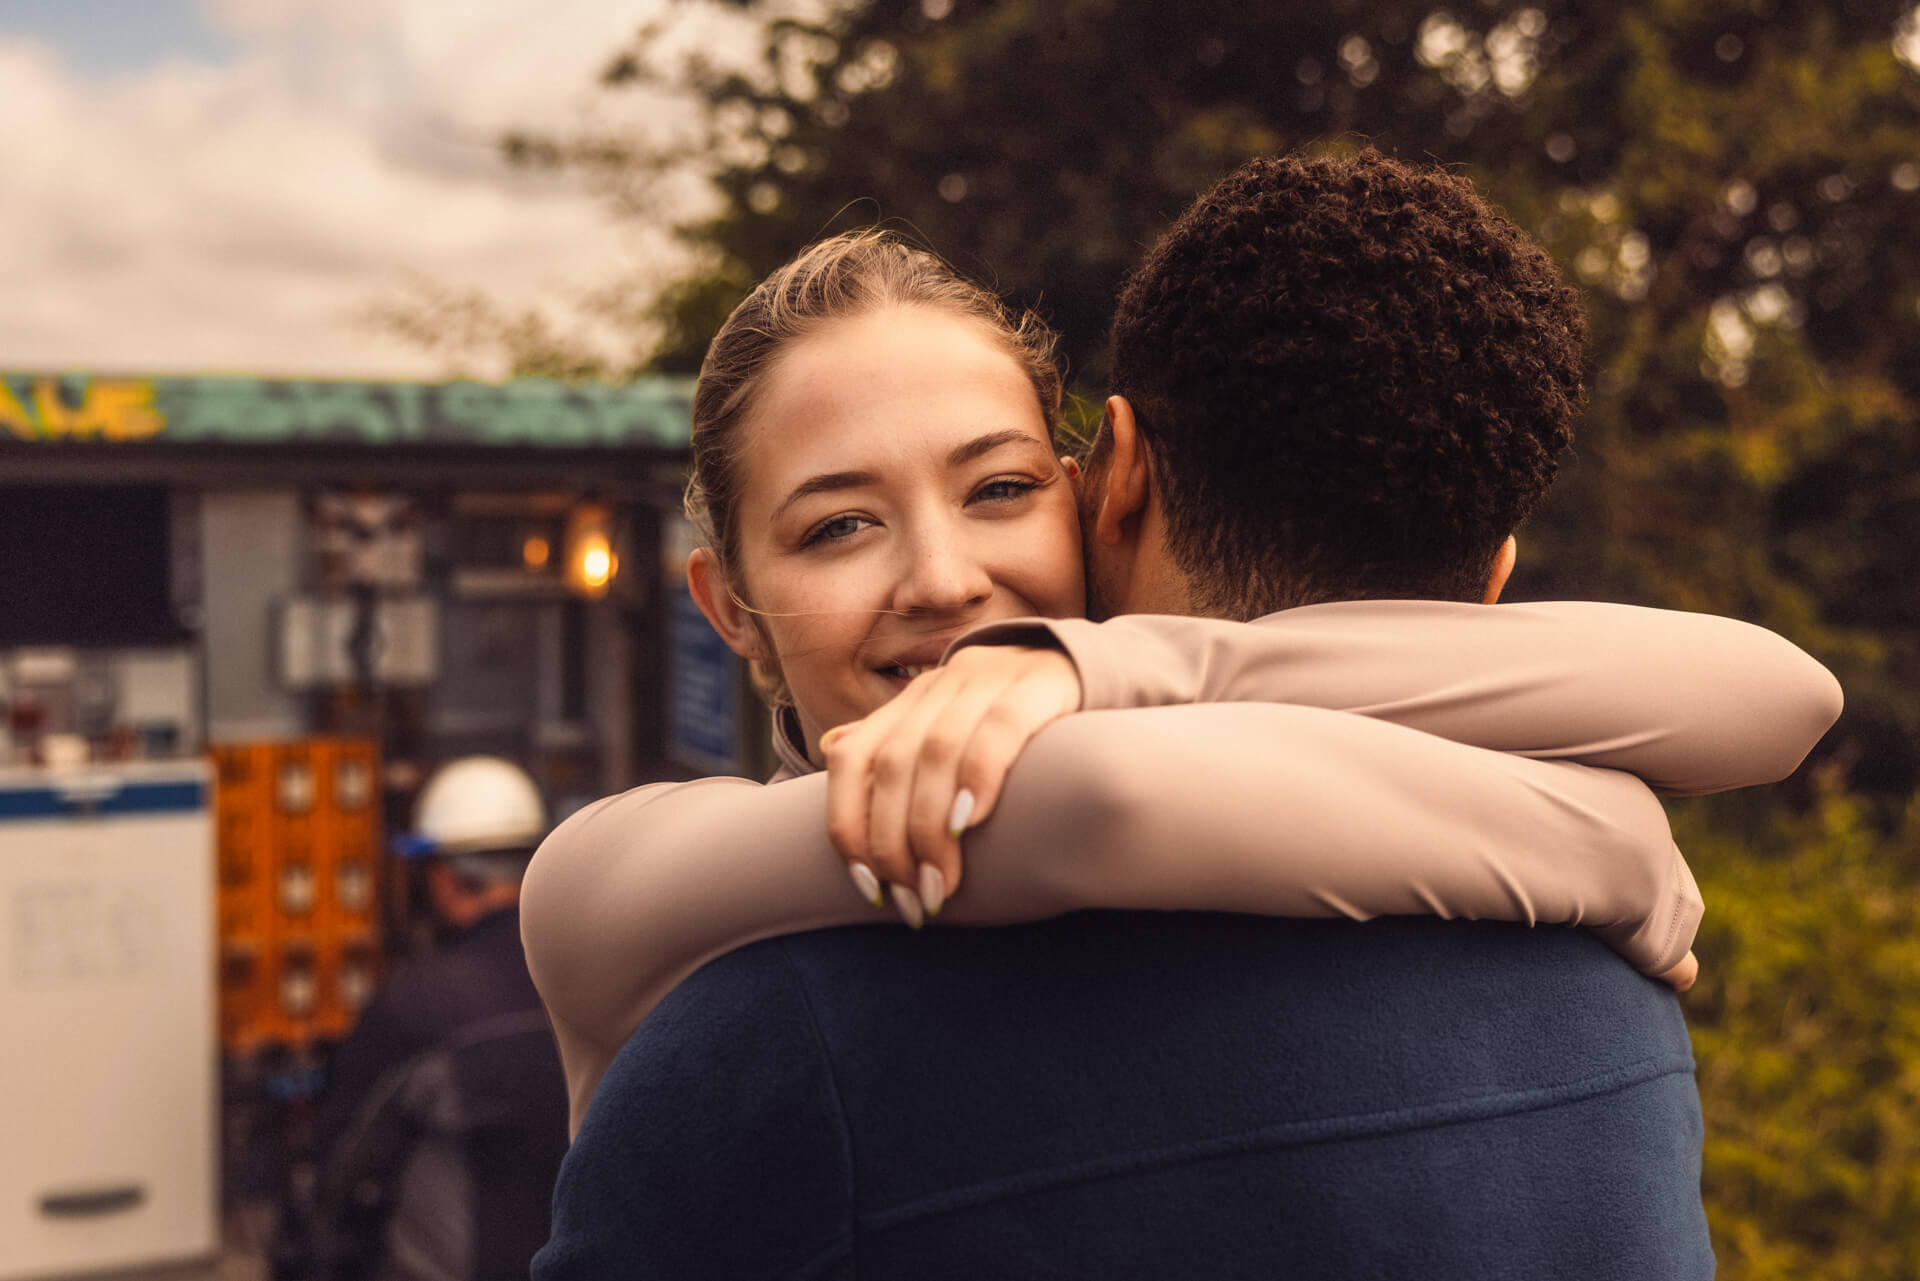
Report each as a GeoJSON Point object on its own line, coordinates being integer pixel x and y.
{"type": "Point", "coordinates": [591, 562]}
{"type": "Point", "coordinates": [535, 552]}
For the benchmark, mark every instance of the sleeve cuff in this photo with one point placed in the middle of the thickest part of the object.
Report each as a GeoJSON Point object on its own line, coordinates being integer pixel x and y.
{"type": "Point", "coordinates": [1071, 636]}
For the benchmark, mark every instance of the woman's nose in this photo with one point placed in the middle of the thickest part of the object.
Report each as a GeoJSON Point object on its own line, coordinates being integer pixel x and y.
{"type": "Point", "coordinates": [943, 574]}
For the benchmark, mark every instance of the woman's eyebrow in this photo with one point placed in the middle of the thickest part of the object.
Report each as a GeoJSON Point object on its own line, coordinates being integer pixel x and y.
{"type": "Point", "coordinates": [972, 449]}
{"type": "Point", "coordinates": [824, 483]}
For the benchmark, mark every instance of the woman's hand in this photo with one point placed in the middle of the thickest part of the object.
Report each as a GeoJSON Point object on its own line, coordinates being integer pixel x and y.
{"type": "Point", "coordinates": [1682, 976]}
{"type": "Point", "coordinates": [907, 780]}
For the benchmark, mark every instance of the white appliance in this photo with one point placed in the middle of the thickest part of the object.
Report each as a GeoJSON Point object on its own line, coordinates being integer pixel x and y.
{"type": "Point", "coordinates": [108, 1058]}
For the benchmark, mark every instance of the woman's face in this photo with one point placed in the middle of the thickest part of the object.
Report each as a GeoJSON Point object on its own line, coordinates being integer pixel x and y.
{"type": "Point", "coordinates": [898, 487]}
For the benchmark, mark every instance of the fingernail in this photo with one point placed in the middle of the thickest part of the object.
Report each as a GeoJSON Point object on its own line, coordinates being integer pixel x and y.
{"type": "Point", "coordinates": [908, 904]}
{"type": "Point", "coordinates": [962, 811]}
{"type": "Point", "coordinates": [933, 888]}
{"type": "Point", "coordinates": [869, 883]}
{"type": "Point", "coordinates": [826, 739]}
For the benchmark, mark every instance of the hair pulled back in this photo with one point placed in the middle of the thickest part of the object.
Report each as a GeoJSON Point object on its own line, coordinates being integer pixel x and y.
{"type": "Point", "coordinates": [846, 276]}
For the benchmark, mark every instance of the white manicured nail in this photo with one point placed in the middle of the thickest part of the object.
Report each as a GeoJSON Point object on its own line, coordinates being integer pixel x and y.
{"type": "Point", "coordinates": [869, 883]}
{"type": "Point", "coordinates": [962, 811]}
{"type": "Point", "coordinates": [933, 888]}
{"type": "Point", "coordinates": [908, 905]}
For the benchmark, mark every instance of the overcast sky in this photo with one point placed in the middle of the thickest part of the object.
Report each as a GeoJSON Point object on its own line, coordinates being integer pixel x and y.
{"type": "Point", "coordinates": [225, 185]}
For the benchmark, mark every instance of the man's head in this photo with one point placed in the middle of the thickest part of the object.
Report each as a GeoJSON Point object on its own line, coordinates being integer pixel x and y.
{"type": "Point", "coordinates": [476, 824]}
{"type": "Point", "coordinates": [1335, 378]}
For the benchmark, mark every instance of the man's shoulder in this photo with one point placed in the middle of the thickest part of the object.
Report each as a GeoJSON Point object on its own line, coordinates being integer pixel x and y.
{"type": "Point", "coordinates": [720, 1111]}
{"type": "Point", "coordinates": [737, 1037]}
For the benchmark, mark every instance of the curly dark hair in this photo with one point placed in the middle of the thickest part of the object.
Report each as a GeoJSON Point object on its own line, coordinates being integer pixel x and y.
{"type": "Point", "coordinates": [1354, 378]}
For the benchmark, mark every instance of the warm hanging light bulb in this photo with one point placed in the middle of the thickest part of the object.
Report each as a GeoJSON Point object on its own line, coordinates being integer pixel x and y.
{"type": "Point", "coordinates": [596, 564]}
{"type": "Point", "coordinates": [591, 562]}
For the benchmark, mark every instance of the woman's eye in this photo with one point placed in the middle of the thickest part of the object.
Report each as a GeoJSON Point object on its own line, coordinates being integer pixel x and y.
{"type": "Point", "coordinates": [1004, 490]}
{"type": "Point", "coordinates": [836, 529]}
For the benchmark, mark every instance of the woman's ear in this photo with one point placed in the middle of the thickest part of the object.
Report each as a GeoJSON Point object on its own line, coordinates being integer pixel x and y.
{"type": "Point", "coordinates": [715, 597]}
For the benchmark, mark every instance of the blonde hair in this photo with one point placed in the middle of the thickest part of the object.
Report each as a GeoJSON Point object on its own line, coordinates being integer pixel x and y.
{"type": "Point", "coordinates": [846, 276]}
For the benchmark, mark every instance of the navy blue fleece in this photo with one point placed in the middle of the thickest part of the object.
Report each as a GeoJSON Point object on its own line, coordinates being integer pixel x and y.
{"type": "Point", "coordinates": [1147, 1096]}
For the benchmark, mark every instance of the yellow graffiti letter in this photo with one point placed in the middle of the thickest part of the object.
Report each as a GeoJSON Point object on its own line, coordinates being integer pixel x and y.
{"type": "Point", "coordinates": [56, 420]}
{"type": "Point", "coordinates": [124, 410]}
{"type": "Point", "coordinates": [108, 410]}
{"type": "Point", "coordinates": [13, 416]}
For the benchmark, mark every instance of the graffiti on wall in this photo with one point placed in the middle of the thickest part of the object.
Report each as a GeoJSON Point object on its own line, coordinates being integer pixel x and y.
{"type": "Point", "coordinates": [105, 409]}
{"type": "Point", "coordinates": [244, 411]}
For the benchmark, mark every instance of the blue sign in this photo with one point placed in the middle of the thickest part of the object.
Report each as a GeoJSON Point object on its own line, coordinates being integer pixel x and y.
{"type": "Point", "coordinates": [94, 797]}
{"type": "Point", "coordinates": [704, 694]}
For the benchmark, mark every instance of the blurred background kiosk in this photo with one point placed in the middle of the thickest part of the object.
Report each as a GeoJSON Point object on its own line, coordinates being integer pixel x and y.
{"type": "Point", "coordinates": [240, 622]}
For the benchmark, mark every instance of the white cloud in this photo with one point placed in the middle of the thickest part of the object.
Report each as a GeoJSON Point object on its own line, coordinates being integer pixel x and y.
{"type": "Point", "coordinates": [241, 216]}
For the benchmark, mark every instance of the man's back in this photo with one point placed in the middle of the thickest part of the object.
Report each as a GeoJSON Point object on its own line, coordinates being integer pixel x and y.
{"type": "Point", "coordinates": [1116, 1095]}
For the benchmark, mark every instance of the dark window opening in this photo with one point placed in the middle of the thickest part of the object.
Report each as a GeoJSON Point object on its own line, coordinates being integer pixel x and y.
{"type": "Point", "coordinates": [85, 566]}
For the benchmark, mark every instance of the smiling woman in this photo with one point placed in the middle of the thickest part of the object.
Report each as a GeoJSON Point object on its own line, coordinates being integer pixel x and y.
{"type": "Point", "coordinates": [874, 473]}
{"type": "Point", "coordinates": [902, 488]}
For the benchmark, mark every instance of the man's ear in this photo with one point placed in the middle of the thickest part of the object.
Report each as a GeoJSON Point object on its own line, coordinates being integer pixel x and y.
{"type": "Point", "coordinates": [1124, 484]}
{"type": "Point", "coordinates": [723, 609]}
{"type": "Point", "coordinates": [1502, 569]}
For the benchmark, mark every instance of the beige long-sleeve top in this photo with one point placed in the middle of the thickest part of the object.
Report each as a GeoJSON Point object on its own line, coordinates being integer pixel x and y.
{"type": "Point", "coordinates": [1277, 808]}
{"type": "Point", "coordinates": [1691, 703]}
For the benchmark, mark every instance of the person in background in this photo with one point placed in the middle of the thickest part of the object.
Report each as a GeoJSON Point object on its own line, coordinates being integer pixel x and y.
{"type": "Point", "coordinates": [442, 1120]}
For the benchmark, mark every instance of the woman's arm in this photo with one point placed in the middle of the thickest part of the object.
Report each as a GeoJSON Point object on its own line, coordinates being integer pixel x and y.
{"type": "Point", "coordinates": [1691, 703]}
{"type": "Point", "coordinates": [633, 893]}
{"type": "Point", "coordinates": [1168, 808]}
{"type": "Point", "coordinates": [1297, 811]}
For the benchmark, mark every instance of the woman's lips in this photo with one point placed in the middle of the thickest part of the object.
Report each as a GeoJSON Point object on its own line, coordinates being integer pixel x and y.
{"type": "Point", "coordinates": [923, 656]}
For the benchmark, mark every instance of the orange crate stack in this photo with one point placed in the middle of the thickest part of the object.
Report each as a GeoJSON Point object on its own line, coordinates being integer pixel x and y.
{"type": "Point", "coordinates": [244, 818]}
{"type": "Point", "coordinates": [299, 890]}
{"type": "Point", "coordinates": [346, 881]}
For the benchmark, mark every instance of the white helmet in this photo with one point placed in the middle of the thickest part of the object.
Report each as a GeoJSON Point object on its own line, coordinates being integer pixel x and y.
{"type": "Point", "coordinates": [477, 804]}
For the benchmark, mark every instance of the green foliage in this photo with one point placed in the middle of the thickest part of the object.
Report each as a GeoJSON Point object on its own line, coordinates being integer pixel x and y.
{"type": "Point", "coordinates": [1806, 1030]}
